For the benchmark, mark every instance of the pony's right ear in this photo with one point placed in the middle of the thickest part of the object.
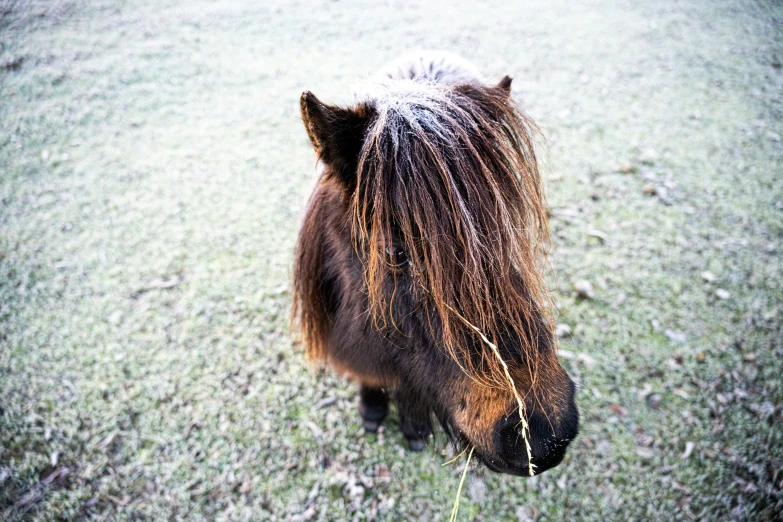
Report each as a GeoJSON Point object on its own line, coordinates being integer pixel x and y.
{"type": "Point", "coordinates": [505, 84]}
{"type": "Point", "coordinates": [337, 134]}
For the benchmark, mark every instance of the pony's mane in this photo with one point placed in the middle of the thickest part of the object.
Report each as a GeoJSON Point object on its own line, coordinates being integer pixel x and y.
{"type": "Point", "coordinates": [451, 172]}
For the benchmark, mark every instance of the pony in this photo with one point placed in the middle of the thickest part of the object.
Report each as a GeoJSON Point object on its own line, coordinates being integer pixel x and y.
{"type": "Point", "coordinates": [419, 266]}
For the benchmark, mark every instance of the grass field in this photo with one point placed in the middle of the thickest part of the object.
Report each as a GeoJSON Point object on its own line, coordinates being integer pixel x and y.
{"type": "Point", "coordinates": [153, 172]}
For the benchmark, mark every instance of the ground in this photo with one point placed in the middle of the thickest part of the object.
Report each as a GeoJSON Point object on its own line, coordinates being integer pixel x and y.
{"type": "Point", "coordinates": [153, 173]}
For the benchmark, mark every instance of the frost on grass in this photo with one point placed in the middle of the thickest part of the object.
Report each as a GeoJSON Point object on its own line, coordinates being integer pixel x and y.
{"type": "Point", "coordinates": [150, 196]}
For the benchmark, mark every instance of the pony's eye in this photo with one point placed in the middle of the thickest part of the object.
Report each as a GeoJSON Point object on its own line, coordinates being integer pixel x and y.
{"type": "Point", "coordinates": [396, 257]}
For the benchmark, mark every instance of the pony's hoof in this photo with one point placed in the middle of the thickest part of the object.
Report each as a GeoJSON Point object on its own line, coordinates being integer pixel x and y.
{"type": "Point", "coordinates": [370, 426]}
{"type": "Point", "coordinates": [373, 407]}
{"type": "Point", "coordinates": [417, 445]}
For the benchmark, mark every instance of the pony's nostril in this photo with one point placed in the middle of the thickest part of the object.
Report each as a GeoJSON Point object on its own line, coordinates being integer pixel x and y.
{"type": "Point", "coordinates": [548, 441]}
{"type": "Point", "coordinates": [510, 439]}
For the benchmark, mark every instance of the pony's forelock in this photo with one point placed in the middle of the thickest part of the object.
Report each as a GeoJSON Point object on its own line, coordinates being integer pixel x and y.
{"type": "Point", "coordinates": [451, 172]}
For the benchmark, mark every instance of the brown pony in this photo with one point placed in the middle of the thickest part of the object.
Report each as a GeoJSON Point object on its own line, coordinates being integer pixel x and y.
{"type": "Point", "coordinates": [419, 265]}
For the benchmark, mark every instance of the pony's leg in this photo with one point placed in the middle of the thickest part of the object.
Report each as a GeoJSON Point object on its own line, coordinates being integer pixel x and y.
{"type": "Point", "coordinates": [414, 419]}
{"type": "Point", "coordinates": [373, 407]}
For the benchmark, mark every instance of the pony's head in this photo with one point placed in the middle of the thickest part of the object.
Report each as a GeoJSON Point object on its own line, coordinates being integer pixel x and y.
{"type": "Point", "coordinates": [447, 219]}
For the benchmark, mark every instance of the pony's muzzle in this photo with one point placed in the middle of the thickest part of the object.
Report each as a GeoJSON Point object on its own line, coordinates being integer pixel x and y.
{"type": "Point", "coordinates": [549, 436]}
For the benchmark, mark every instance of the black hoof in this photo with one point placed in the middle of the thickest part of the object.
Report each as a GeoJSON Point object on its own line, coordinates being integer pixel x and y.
{"type": "Point", "coordinates": [417, 445]}
{"type": "Point", "coordinates": [416, 433]}
{"type": "Point", "coordinates": [373, 407]}
{"type": "Point", "coordinates": [371, 426]}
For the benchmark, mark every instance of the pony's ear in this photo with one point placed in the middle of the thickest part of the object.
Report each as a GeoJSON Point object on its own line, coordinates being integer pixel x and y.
{"type": "Point", "coordinates": [505, 84]}
{"type": "Point", "coordinates": [336, 133]}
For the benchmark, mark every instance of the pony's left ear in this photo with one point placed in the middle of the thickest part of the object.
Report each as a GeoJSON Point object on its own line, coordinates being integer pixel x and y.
{"type": "Point", "coordinates": [337, 134]}
{"type": "Point", "coordinates": [505, 84]}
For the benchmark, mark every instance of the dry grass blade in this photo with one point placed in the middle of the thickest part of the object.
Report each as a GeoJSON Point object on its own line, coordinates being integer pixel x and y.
{"type": "Point", "coordinates": [455, 458]}
{"type": "Point", "coordinates": [520, 404]}
{"type": "Point", "coordinates": [455, 509]}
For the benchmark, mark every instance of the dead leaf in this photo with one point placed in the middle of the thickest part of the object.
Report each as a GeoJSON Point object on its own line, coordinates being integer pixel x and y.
{"type": "Point", "coordinates": [644, 439]}
{"type": "Point", "coordinates": [644, 453]}
{"type": "Point", "coordinates": [618, 410]}
{"type": "Point", "coordinates": [763, 410]}
{"type": "Point", "coordinates": [119, 501]}
{"type": "Point", "coordinates": [326, 401]}
{"type": "Point", "coordinates": [192, 425]}
{"type": "Point", "coordinates": [644, 391]}
{"type": "Point", "coordinates": [14, 64]}
{"type": "Point", "coordinates": [675, 336]}
{"type": "Point", "coordinates": [58, 474]}
{"type": "Point", "coordinates": [109, 439]}
{"type": "Point", "coordinates": [563, 330]}
{"type": "Point", "coordinates": [684, 502]}
{"type": "Point", "coordinates": [317, 432]}
{"type": "Point", "coordinates": [382, 473]}
{"type": "Point", "coordinates": [526, 513]}
{"type": "Point", "coordinates": [750, 487]}
{"type": "Point", "coordinates": [602, 236]}
{"type": "Point", "coordinates": [626, 167]}
{"type": "Point", "coordinates": [688, 450]}
{"type": "Point", "coordinates": [583, 289]}
{"type": "Point", "coordinates": [721, 293]}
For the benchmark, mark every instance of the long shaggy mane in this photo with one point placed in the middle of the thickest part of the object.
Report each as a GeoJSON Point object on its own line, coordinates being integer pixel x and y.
{"type": "Point", "coordinates": [450, 171]}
